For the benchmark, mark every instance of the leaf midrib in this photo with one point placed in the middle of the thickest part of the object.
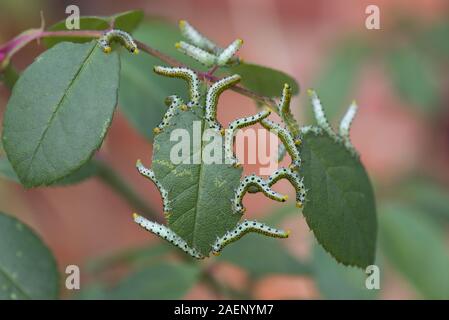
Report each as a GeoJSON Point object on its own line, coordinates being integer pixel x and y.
{"type": "Point", "coordinates": [60, 103]}
{"type": "Point", "coordinates": [19, 288]}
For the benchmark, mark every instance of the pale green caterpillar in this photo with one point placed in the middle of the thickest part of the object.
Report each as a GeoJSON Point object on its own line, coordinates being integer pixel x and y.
{"type": "Point", "coordinates": [173, 102]}
{"type": "Point", "coordinates": [261, 184]}
{"type": "Point", "coordinates": [167, 234]}
{"type": "Point", "coordinates": [287, 140]}
{"type": "Point", "coordinates": [295, 180]}
{"type": "Point", "coordinates": [121, 36]}
{"type": "Point", "coordinates": [239, 124]}
{"type": "Point", "coordinates": [150, 175]}
{"type": "Point", "coordinates": [212, 100]}
{"type": "Point", "coordinates": [187, 75]}
{"type": "Point", "coordinates": [204, 50]}
{"type": "Point", "coordinates": [200, 55]}
{"type": "Point", "coordinates": [197, 39]}
{"type": "Point", "coordinates": [243, 228]}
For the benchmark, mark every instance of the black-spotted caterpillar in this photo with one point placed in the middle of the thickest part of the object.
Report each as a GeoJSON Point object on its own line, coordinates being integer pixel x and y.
{"type": "Point", "coordinates": [172, 180]}
{"type": "Point", "coordinates": [117, 35]}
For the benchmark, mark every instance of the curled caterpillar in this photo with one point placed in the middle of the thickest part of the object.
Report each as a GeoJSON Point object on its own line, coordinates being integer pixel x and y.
{"type": "Point", "coordinates": [200, 55]}
{"type": "Point", "coordinates": [212, 100]}
{"type": "Point", "coordinates": [243, 228]}
{"type": "Point", "coordinates": [256, 181]}
{"type": "Point", "coordinates": [229, 52]}
{"type": "Point", "coordinates": [167, 234]}
{"type": "Point", "coordinates": [238, 124]}
{"type": "Point", "coordinates": [121, 36]}
{"type": "Point", "coordinates": [197, 39]}
{"type": "Point", "coordinates": [296, 181]}
{"type": "Point", "coordinates": [150, 175]}
{"type": "Point", "coordinates": [287, 140]}
{"type": "Point", "coordinates": [185, 74]}
{"type": "Point", "coordinates": [173, 102]}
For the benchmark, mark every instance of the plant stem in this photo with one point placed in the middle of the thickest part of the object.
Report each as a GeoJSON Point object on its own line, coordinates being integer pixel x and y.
{"type": "Point", "coordinates": [120, 186]}
{"type": "Point", "coordinates": [11, 47]}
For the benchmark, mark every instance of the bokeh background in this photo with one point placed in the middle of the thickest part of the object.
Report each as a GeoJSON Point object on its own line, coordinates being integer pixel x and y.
{"type": "Point", "coordinates": [399, 77]}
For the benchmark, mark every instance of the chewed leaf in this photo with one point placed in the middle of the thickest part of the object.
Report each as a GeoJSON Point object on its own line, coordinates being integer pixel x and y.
{"type": "Point", "coordinates": [339, 207]}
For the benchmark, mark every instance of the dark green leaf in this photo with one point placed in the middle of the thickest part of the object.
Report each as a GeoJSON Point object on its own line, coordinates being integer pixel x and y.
{"type": "Point", "coordinates": [415, 245]}
{"type": "Point", "coordinates": [142, 92]}
{"type": "Point", "coordinates": [263, 80]}
{"type": "Point", "coordinates": [160, 281]}
{"type": "Point", "coordinates": [336, 281]}
{"type": "Point", "coordinates": [27, 267]}
{"type": "Point", "coordinates": [86, 171]}
{"type": "Point", "coordinates": [340, 207]}
{"type": "Point", "coordinates": [9, 76]}
{"type": "Point", "coordinates": [199, 193]}
{"type": "Point", "coordinates": [414, 78]}
{"type": "Point", "coordinates": [126, 21]}
{"type": "Point", "coordinates": [260, 255]}
{"type": "Point", "coordinates": [59, 111]}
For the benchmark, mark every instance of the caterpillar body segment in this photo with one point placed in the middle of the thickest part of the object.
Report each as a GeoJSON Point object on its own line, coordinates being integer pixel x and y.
{"type": "Point", "coordinates": [232, 129]}
{"type": "Point", "coordinates": [167, 234]}
{"type": "Point", "coordinates": [123, 37]}
{"type": "Point", "coordinates": [243, 228]}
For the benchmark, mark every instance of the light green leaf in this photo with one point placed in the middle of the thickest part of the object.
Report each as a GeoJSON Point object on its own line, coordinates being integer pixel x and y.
{"type": "Point", "coordinates": [27, 267]}
{"type": "Point", "coordinates": [336, 281]}
{"type": "Point", "coordinates": [161, 281]}
{"type": "Point", "coordinates": [261, 255]}
{"type": "Point", "coordinates": [126, 21]}
{"type": "Point", "coordinates": [130, 257]}
{"type": "Point", "coordinates": [199, 193]}
{"type": "Point", "coordinates": [427, 196]}
{"type": "Point", "coordinates": [142, 92]}
{"type": "Point", "coordinates": [339, 207]}
{"type": "Point", "coordinates": [339, 75]}
{"type": "Point", "coordinates": [415, 245]}
{"type": "Point", "coordinates": [263, 80]}
{"type": "Point", "coordinates": [59, 111]}
{"type": "Point", "coordinates": [414, 78]}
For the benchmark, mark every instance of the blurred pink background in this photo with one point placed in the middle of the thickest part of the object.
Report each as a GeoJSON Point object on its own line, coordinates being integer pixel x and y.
{"type": "Point", "coordinates": [88, 220]}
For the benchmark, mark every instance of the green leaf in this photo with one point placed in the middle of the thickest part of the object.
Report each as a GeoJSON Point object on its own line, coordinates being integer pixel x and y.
{"type": "Point", "coordinates": [260, 255]}
{"type": "Point", "coordinates": [86, 171]}
{"type": "Point", "coordinates": [161, 281]}
{"type": "Point", "coordinates": [427, 196]}
{"type": "Point", "coordinates": [414, 78]}
{"type": "Point", "coordinates": [199, 193]}
{"type": "Point", "coordinates": [27, 267]}
{"type": "Point", "coordinates": [340, 207]}
{"type": "Point", "coordinates": [336, 281]}
{"type": "Point", "coordinates": [59, 111]}
{"type": "Point", "coordinates": [142, 92]}
{"type": "Point", "coordinates": [130, 257]}
{"type": "Point", "coordinates": [434, 40]}
{"type": "Point", "coordinates": [9, 76]}
{"type": "Point", "coordinates": [339, 75]}
{"type": "Point", "coordinates": [126, 21]}
{"type": "Point", "coordinates": [415, 245]}
{"type": "Point", "coordinates": [263, 80]}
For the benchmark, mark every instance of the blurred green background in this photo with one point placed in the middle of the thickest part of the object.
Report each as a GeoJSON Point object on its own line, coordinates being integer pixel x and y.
{"type": "Point", "coordinates": [399, 77]}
